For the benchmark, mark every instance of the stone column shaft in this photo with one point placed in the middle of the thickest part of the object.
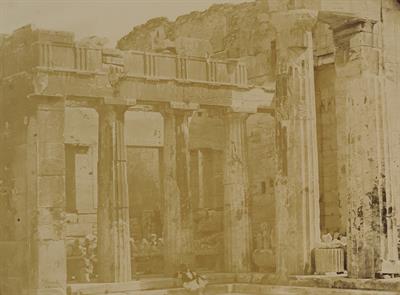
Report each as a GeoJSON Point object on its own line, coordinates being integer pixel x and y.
{"type": "Point", "coordinates": [46, 188]}
{"type": "Point", "coordinates": [237, 237]}
{"type": "Point", "coordinates": [297, 183]}
{"type": "Point", "coordinates": [175, 170]}
{"type": "Point", "coordinates": [114, 255]}
{"type": "Point", "coordinates": [372, 231]}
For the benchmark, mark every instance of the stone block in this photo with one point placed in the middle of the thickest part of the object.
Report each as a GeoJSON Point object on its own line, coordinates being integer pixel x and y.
{"type": "Point", "coordinates": [48, 291]}
{"type": "Point", "coordinates": [49, 232]}
{"type": "Point", "coordinates": [81, 126]}
{"type": "Point", "coordinates": [51, 191]}
{"type": "Point", "coordinates": [248, 288]}
{"type": "Point", "coordinates": [51, 159]}
{"type": "Point", "coordinates": [243, 277]}
{"type": "Point", "coordinates": [49, 215]}
{"type": "Point", "coordinates": [51, 265]}
{"type": "Point", "coordinates": [217, 289]}
{"type": "Point", "coordinates": [12, 286]}
{"type": "Point", "coordinates": [78, 230]}
{"type": "Point", "coordinates": [329, 260]}
{"type": "Point", "coordinates": [12, 258]}
{"type": "Point", "coordinates": [51, 124]}
{"type": "Point", "coordinates": [71, 218]}
{"type": "Point", "coordinates": [87, 218]}
{"type": "Point", "coordinates": [221, 278]}
{"type": "Point", "coordinates": [55, 36]}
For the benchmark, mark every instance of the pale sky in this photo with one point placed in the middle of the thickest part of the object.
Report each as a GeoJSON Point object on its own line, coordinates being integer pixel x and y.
{"type": "Point", "coordinates": [104, 18]}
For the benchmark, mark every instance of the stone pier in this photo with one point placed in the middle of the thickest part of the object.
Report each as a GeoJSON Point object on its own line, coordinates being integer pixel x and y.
{"type": "Point", "coordinates": [372, 232]}
{"type": "Point", "coordinates": [114, 255]}
{"type": "Point", "coordinates": [237, 237]}
{"type": "Point", "coordinates": [297, 183]}
{"type": "Point", "coordinates": [175, 172]}
{"type": "Point", "coordinates": [45, 138]}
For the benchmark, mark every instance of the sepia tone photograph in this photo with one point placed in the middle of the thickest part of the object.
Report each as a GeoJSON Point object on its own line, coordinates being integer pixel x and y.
{"type": "Point", "coordinates": [199, 147]}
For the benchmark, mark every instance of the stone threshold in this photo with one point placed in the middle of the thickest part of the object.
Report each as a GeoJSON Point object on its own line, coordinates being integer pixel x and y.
{"type": "Point", "coordinates": [245, 289]}
{"type": "Point", "coordinates": [253, 283]}
{"type": "Point", "coordinates": [343, 282]}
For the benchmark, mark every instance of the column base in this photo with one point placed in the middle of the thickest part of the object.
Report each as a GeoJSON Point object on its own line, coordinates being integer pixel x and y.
{"type": "Point", "coordinates": [390, 267]}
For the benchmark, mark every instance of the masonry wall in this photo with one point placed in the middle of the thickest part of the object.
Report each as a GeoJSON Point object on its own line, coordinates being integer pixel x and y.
{"type": "Point", "coordinates": [14, 197]}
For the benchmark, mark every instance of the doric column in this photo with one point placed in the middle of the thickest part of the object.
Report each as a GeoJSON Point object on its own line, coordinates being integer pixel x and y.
{"type": "Point", "coordinates": [175, 173]}
{"type": "Point", "coordinates": [46, 191]}
{"type": "Point", "coordinates": [236, 195]}
{"type": "Point", "coordinates": [372, 227]}
{"type": "Point", "coordinates": [297, 182]}
{"type": "Point", "coordinates": [114, 258]}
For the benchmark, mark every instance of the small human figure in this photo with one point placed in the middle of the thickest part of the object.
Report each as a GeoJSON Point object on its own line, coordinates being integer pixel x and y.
{"type": "Point", "coordinates": [192, 281]}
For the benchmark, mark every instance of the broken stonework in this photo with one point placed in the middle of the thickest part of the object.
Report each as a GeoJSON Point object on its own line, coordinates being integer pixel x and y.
{"type": "Point", "coordinates": [257, 140]}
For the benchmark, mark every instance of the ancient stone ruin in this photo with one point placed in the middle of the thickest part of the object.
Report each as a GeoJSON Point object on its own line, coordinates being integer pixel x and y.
{"type": "Point", "coordinates": [259, 143]}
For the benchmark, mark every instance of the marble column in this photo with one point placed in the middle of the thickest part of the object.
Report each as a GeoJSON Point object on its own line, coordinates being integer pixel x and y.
{"type": "Point", "coordinates": [114, 255]}
{"type": "Point", "coordinates": [237, 237]}
{"type": "Point", "coordinates": [177, 201]}
{"type": "Point", "coordinates": [46, 190]}
{"type": "Point", "coordinates": [372, 225]}
{"type": "Point", "coordinates": [297, 182]}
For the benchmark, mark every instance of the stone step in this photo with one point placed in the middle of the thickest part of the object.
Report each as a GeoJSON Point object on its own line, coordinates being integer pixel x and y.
{"type": "Point", "coordinates": [142, 284]}
{"type": "Point", "coordinates": [253, 289]}
{"type": "Point", "coordinates": [110, 288]}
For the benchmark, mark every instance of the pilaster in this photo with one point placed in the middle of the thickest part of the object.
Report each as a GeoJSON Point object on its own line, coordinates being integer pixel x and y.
{"type": "Point", "coordinates": [46, 188]}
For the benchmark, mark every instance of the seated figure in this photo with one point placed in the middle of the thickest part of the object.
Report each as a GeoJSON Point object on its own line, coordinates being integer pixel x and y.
{"type": "Point", "coordinates": [192, 281]}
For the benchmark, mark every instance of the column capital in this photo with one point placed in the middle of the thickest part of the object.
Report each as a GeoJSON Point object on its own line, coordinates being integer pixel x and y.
{"type": "Point", "coordinates": [177, 108]}
{"type": "Point", "coordinates": [236, 115]}
{"type": "Point", "coordinates": [118, 105]}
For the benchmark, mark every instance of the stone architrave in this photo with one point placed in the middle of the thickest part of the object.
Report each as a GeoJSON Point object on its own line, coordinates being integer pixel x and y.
{"type": "Point", "coordinates": [297, 182]}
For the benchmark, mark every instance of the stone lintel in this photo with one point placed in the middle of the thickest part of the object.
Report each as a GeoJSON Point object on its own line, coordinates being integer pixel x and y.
{"type": "Point", "coordinates": [326, 59]}
{"type": "Point", "coordinates": [242, 109]}
{"type": "Point", "coordinates": [83, 101]}
{"type": "Point", "coordinates": [38, 97]}
{"type": "Point", "coordinates": [339, 21]}
{"type": "Point", "coordinates": [119, 101]}
{"type": "Point", "coordinates": [47, 101]}
{"type": "Point", "coordinates": [184, 106]}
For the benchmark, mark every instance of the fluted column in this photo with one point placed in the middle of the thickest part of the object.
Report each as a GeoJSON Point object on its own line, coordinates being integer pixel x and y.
{"type": "Point", "coordinates": [236, 195]}
{"type": "Point", "coordinates": [297, 182]}
{"type": "Point", "coordinates": [114, 256]}
{"type": "Point", "coordinates": [372, 224]}
{"type": "Point", "coordinates": [177, 201]}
